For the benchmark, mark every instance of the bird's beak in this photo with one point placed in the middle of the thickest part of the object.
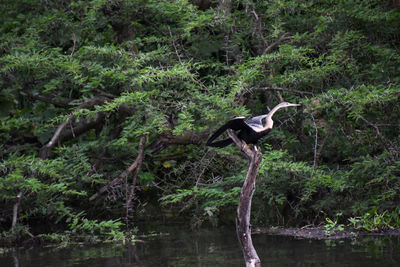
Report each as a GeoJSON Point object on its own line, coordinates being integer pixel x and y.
{"type": "Point", "coordinates": [293, 105]}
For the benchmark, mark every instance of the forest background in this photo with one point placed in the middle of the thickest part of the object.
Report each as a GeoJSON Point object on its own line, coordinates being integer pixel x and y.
{"type": "Point", "coordinates": [129, 91]}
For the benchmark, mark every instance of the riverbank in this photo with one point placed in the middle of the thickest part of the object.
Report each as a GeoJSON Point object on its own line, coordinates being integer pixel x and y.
{"type": "Point", "coordinates": [309, 232]}
{"type": "Point", "coordinates": [321, 232]}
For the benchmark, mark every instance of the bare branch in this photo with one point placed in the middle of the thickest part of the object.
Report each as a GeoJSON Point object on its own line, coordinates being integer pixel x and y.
{"type": "Point", "coordinates": [139, 160]}
{"type": "Point", "coordinates": [45, 151]}
{"type": "Point", "coordinates": [15, 211]}
{"type": "Point", "coordinates": [74, 47]}
{"type": "Point", "coordinates": [123, 175]}
{"type": "Point", "coordinates": [173, 43]}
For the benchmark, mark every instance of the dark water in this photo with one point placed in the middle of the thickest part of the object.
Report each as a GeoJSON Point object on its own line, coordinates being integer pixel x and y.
{"type": "Point", "coordinates": [217, 247]}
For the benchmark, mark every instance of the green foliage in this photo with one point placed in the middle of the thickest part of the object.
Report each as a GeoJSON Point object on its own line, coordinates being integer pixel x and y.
{"type": "Point", "coordinates": [208, 202]}
{"type": "Point", "coordinates": [332, 225]}
{"type": "Point", "coordinates": [373, 221]}
{"type": "Point", "coordinates": [95, 228]}
{"type": "Point", "coordinates": [117, 70]}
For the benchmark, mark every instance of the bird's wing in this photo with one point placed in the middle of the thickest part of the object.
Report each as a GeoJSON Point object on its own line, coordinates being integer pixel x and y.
{"type": "Point", "coordinates": [235, 124]}
{"type": "Point", "coordinates": [257, 120]}
{"type": "Point", "coordinates": [222, 143]}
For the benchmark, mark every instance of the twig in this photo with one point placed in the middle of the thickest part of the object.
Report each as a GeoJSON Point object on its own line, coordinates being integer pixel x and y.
{"type": "Point", "coordinates": [72, 129]}
{"type": "Point", "coordinates": [205, 158]}
{"type": "Point", "coordinates": [255, 15]}
{"type": "Point", "coordinates": [173, 43]}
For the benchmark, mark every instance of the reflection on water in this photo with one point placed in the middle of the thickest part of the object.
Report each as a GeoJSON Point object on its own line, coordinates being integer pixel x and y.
{"type": "Point", "coordinates": [215, 247]}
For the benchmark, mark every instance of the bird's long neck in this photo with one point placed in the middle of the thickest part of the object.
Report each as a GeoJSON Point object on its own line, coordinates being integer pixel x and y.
{"type": "Point", "coordinates": [268, 119]}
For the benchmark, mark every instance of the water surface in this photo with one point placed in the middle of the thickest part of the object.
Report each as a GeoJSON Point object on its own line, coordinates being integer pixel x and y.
{"type": "Point", "coordinates": [215, 247]}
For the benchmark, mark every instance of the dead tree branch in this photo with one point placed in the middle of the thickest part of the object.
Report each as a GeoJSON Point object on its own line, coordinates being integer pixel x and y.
{"type": "Point", "coordinates": [139, 160]}
{"type": "Point", "coordinates": [15, 211]}
{"type": "Point", "coordinates": [133, 166]}
{"type": "Point", "coordinates": [244, 207]}
{"type": "Point", "coordinates": [45, 151]}
{"type": "Point", "coordinates": [74, 42]}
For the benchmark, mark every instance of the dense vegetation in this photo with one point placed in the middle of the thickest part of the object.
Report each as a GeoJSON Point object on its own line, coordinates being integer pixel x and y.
{"type": "Point", "coordinates": [128, 91]}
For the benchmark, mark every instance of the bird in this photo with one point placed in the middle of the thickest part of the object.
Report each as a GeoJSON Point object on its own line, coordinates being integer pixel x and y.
{"type": "Point", "coordinates": [250, 131]}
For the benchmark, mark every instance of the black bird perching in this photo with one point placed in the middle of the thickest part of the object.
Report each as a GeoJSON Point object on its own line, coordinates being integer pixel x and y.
{"type": "Point", "coordinates": [250, 132]}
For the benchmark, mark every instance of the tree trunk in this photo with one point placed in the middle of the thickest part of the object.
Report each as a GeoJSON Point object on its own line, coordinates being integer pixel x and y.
{"type": "Point", "coordinates": [244, 207]}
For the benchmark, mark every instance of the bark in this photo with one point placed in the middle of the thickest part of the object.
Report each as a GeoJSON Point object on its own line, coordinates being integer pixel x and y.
{"type": "Point", "coordinates": [244, 207]}
{"type": "Point", "coordinates": [130, 169]}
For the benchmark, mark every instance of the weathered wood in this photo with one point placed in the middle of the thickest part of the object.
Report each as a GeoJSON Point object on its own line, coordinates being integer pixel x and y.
{"type": "Point", "coordinates": [244, 207]}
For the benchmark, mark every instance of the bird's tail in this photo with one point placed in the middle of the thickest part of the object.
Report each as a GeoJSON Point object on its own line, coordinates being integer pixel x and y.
{"type": "Point", "coordinates": [220, 144]}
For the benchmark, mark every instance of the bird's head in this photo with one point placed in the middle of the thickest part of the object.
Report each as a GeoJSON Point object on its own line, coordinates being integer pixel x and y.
{"type": "Point", "coordinates": [268, 117]}
{"type": "Point", "coordinates": [287, 104]}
